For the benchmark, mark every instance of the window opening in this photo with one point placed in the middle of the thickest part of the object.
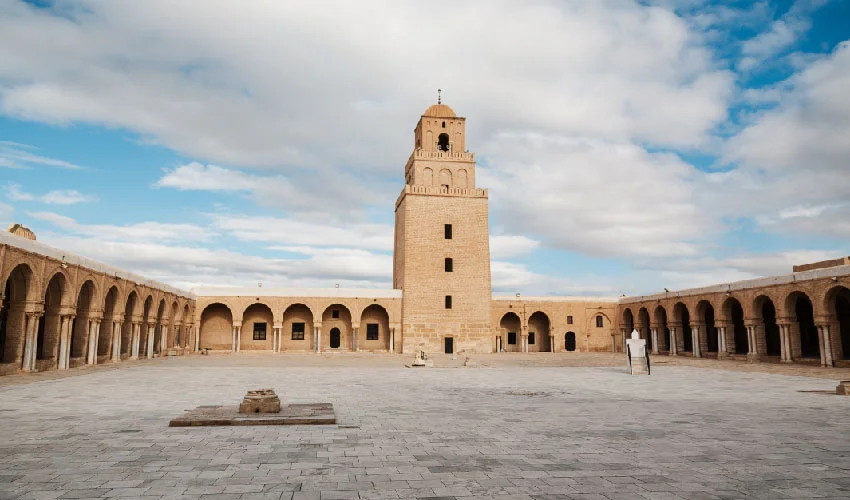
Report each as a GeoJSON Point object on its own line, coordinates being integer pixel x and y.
{"type": "Point", "coordinates": [448, 301]}
{"type": "Point", "coordinates": [371, 331]}
{"type": "Point", "coordinates": [449, 264]}
{"type": "Point", "coordinates": [298, 331]}
{"type": "Point", "coordinates": [448, 231]}
{"type": "Point", "coordinates": [259, 331]}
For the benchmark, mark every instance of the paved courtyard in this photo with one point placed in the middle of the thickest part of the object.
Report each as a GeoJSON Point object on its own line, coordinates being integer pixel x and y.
{"type": "Point", "coordinates": [505, 432]}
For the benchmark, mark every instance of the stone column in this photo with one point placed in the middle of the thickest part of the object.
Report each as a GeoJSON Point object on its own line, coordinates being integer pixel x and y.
{"type": "Point", "coordinates": [90, 343]}
{"type": "Point", "coordinates": [318, 338]}
{"type": "Point", "coordinates": [134, 340]}
{"type": "Point", "coordinates": [151, 330]}
{"type": "Point", "coordinates": [116, 341]}
{"type": "Point", "coordinates": [163, 338]}
{"type": "Point", "coordinates": [674, 344]}
{"type": "Point", "coordinates": [825, 346]}
{"type": "Point", "coordinates": [722, 352]}
{"type": "Point", "coordinates": [93, 344]}
{"type": "Point", "coordinates": [64, 336]}
{"type": "Point", "coordinates": [392, 339]}
{"type": "Point", "coordinates": [30, 342]}
{"type": "Point", "coordinates": [752, 341]}
{"type": "Point", "coordinates": [357, 339]}
{"type": "Point", "coordinates": [654, 333]}
{"type": "Point", "coordinates": [695, 342]}
{"type": "Point", "coordinates": [239, 338]}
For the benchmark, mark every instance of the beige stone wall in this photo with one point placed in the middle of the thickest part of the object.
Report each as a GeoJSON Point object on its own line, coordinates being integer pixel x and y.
{"type": "Point", "coordinates": [316, 312]}
{"type": "Point", "coordinates": [523, 315]}
{"type": "Point", "coordinates": [426, 321]}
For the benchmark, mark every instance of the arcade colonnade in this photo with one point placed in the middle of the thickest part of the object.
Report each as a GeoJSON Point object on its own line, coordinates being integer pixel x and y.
{"type": "Point", "coordinates": [58, 311]}
{"type": "Point", "coordinates": [317, 320]}
{"type": "Point", "coordinates": [802, 317]}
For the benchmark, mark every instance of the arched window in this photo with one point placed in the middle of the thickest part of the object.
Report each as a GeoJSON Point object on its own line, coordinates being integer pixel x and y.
{"type": "Point", "coordinates": [444, 124]}
{"type": "Point", "coordinates": [599, 322]}
{"type": "Point", "coordinates": [443, 142]}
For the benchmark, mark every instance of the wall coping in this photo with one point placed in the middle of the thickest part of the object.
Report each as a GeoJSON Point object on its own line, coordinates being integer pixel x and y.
{"type": "Point", "coordinates": [246, 291]}
{"type": "Point", "coordinates": [75, 260]}
{"type": "Point", "coordinates": [554, 298]}
{"type": "Point", "coordinates": [828, 272]}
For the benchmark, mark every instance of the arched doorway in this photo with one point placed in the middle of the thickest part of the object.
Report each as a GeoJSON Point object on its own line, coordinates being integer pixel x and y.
{"type": "Point", "coordinates": [49, 329]}
{"type": "Point", "coordinates": [338, 316]}
{"type": "Point", "coordinates": [538, 333]}
{"type": "Point", "coordinates": [734, 313]}
{"type": "Point", "coordinates": [297, 331]}
{"type": "Point", "coordinates": [257, 323]}
{"type": "Point", "coordinates": [104, 341]}
{"type": "Point", "coordinates": [708, 328]}
{"type": "Point", "coordinates": [374, 332]}
{"type": "Point", "coordinates": [216, 327]}
{"type": "Point", "coordinates": [13, 319]}
{"type": "Point", "coordinates": [683, 317]}
{"type": "Point", "coordinates": [129, 325]}
{"type": "Point", "coordinates": [570, 341]}
{"type": "Point", "coordinates": [765, 308]}
{"type": "Point", "coordinates": [335, 338]}
{"type": "Point", "coordinates": [663, 329]}
{"type": "Point", "coordinates": [644, 327]}
{"type": "Point", "coordinates": [511, 328]}
{"type": "Point", "coordinates": [81, 326]}
{"type": "Point", "coordinates": [801, 306]}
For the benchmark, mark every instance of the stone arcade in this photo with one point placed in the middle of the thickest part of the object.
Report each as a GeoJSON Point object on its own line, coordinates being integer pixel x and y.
{"type": "Point", "coordinates": [60, 311]}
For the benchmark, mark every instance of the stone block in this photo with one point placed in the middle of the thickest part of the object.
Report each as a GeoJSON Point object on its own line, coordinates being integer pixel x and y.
{"type": "Point", "coordinates": [260, 401]}
{"type": "Point", "coordinates": [843, 388]}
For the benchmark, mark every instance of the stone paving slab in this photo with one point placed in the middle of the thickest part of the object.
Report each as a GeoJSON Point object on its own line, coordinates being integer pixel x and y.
{"type": "Point", "coordinates": [297, 414]}
{"type": "Point", "coordinates": [494, 433]}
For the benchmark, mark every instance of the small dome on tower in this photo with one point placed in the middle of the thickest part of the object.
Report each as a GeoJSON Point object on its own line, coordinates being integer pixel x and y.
{"type": "Point", "coordinates": [439, 111]}
{"type": "Point", "coordinates": [23, 232]}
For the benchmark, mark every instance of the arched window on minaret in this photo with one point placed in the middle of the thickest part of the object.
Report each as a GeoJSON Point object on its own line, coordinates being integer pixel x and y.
{"type": "Point", "coordinates": [443, 142]}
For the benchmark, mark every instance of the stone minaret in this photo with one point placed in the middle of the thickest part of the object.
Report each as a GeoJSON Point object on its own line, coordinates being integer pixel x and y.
{"type": "Point", "coordinates": [442, 246]}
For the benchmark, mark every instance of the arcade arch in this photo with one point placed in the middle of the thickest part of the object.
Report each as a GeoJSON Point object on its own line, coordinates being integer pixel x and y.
{"type": "Point", "coordinates": [297, 333]}
{"type": "Point", "coordinates": [378, 317]}
{"type": "Point", "coordinates": [216, 327]}
{"type": "Point", "coordinates": [511, 327]}
{"type": "Point", "coordinates": [337, 317]}
{"type": "Point", "coordinates": [257, 328]}
{"type": "Point", "coordinates": [538, 333]}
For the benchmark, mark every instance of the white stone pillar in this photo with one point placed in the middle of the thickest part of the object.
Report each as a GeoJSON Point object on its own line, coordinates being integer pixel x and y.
{"type": "Point", "coordinates": [239, 338]}
{"type": "Point", "coordinates": [654, 341]}
{"type": "Point", "coordinates": [233, 338]}
{"type": "Point", "coordinates": [695, 342]}
{"type": "Point", "coordinates": [825, 346]}
{"type": "Point", "coordinates": [721, 342]}
{"type": "Point", "coordinates": [116, 341]}
{"type": "Point", "coordinates": [63, 342]}
{"type": "Point", "coordinates": [674, 344]}
{"type": "Point", "coordinates": [151, 331]}
{"type": "Point", "coordinates": [197, 331]}
{"type": "Point", "coordinates": [318, 339]}
{"type": "Point", "coordinates": [95, 341]}
{"type": "Point", "coordinates": [163, 338]}
{"type": "Point", "coordinates": [392, 339]}
{"type": "Point", "coordinates": [31, 341]}
{"type": "Point", "coordinates": [357, 339]}
{"type": "Point", "coordinates": [786, 343]}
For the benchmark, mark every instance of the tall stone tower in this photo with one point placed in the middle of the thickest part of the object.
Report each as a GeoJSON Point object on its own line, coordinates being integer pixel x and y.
{"type": "Point", "coordinates": [442, 246]}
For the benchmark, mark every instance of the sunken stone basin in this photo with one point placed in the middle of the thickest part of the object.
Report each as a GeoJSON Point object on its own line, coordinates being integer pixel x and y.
{"type": "Point", "coordinates": [260, 407]}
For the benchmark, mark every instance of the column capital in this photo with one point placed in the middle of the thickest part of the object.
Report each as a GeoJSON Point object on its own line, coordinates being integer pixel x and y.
{"type": "Point", "coordinates": [237, 324]}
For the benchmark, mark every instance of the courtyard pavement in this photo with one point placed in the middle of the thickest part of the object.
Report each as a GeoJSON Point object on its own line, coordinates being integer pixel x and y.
{"type": "Point", "coordinates": [506, 432]}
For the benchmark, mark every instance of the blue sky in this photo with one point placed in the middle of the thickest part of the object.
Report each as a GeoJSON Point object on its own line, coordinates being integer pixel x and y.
{"type": "Point", "coordinates": [627, 146]}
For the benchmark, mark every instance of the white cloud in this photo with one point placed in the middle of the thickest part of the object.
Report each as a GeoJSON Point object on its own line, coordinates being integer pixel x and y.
{"type": "Point", "coordinates": [14, 193]}
{"type": "Point", "coordinates": [792, 159]}
{"type": "Point", "coordinates": [594, 197]}
{"type": "Point", "coordinates": [287, 232]}
{"type": "Point", "coordinates": [135, 233]}
{"type": "Point", "coordinates": [506, 246]}
{"type": "Point", "coordinates": [783, 33]}
{"type": "Point", "coordinates": [6, 214]}
{"type": "Point", "coordinates": [318, 193]}
{"type": "Point", "coordinates": [57, 197]}
{"type": "Point", "coordinates": [21, 156]}
{"type": "Point", "coordinates": [67, 197]}
{"type": "Point", "coordinates": [340, 83]}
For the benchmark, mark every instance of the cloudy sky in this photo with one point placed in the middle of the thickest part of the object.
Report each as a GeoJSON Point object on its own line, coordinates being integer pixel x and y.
{"type": "Point", "coordinates": [628, 146]}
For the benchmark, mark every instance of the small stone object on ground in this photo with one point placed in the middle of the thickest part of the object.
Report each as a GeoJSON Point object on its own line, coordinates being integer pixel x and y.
{"type": "Point", "coordinates": [843, 388]}
{"type": "Point", "coordinates": [260, 401]}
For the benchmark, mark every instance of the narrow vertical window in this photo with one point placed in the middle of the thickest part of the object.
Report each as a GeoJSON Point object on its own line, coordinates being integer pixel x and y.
{"type": "Point", "coordinates": [599, 323]}
{"type": "Point", "coordinates": [449, 264]}
{"type": "Point", "coordinates": [448, 230]}
{"type": "Point", "coordinates": [448, 301]}
{"type": "Point", "coordinates": [569, 320]}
